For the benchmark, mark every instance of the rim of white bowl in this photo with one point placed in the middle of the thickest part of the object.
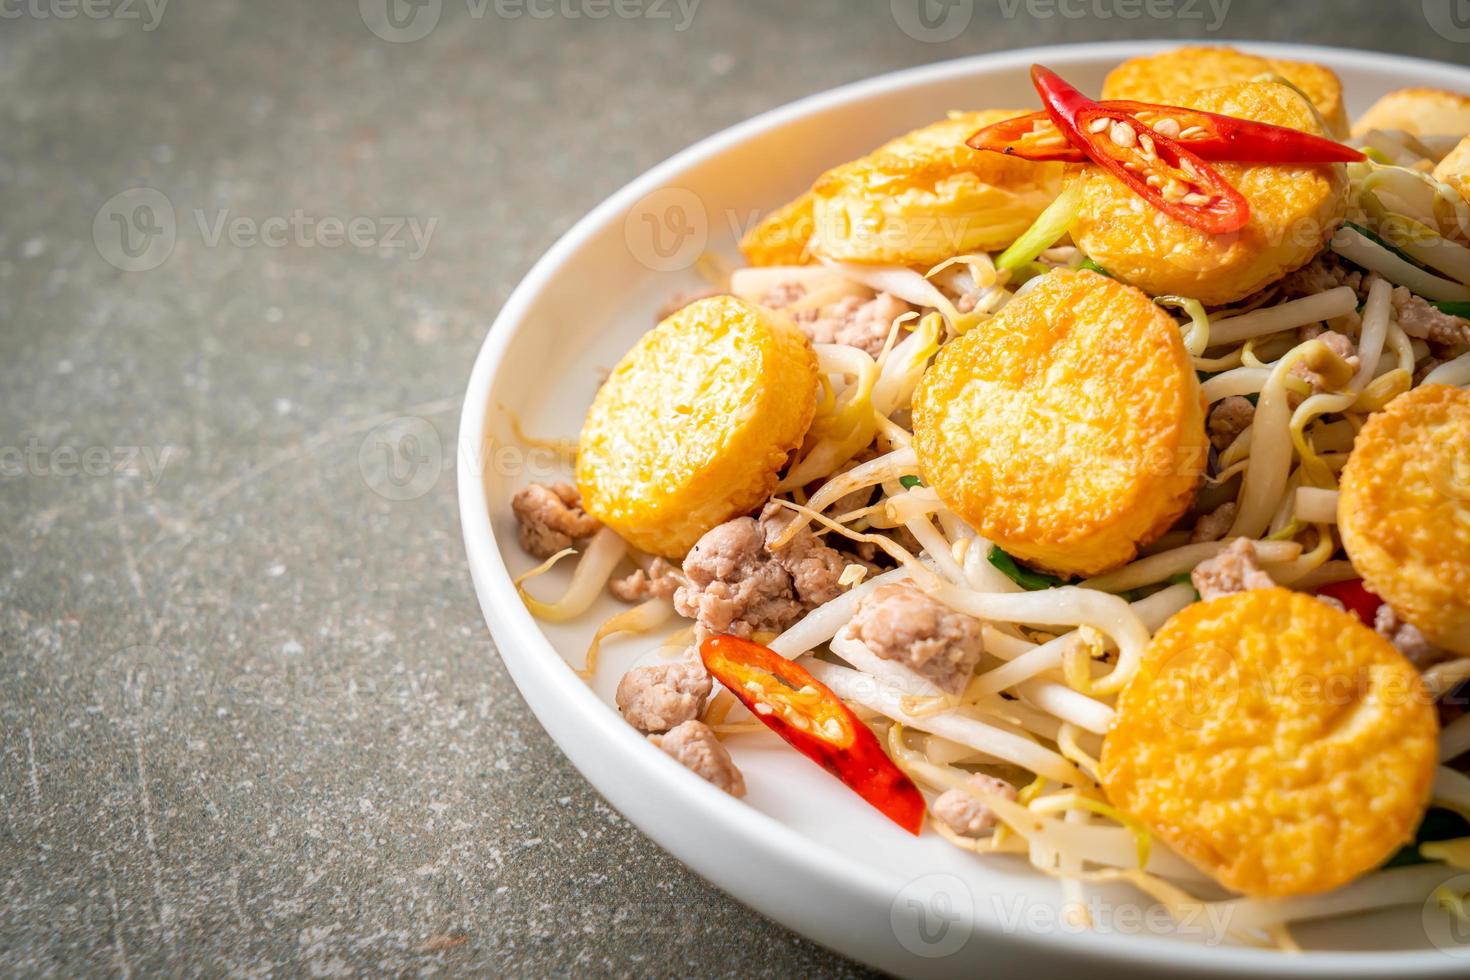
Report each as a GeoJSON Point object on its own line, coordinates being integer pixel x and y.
{"type": "Point", "coordinates": [737, 824]}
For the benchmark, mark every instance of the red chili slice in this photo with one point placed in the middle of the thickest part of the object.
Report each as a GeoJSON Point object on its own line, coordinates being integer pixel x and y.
{"type": "Point", "coordinates": [1156, 168]}
{"type": "Point", "coordinates": [1356, 597]}
{"type": "Point", "coordinates": [1214, 137]}
{"type": "Point", "coordinates": [814, 721]}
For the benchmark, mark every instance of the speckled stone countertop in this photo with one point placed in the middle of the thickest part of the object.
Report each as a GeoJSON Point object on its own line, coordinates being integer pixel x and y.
{"type": "Point", "coordinates": [251, 720]}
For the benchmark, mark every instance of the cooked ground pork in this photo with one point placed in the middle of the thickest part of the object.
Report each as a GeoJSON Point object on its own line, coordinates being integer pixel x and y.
{"type": "Point", "coordinates": [856, 500]}
{"type": "Point", "coordinates": [1325, 272]}
{"type": "Point", "coordinates": [1406, 636]}
{"type": "Point", "coordinates": [1214, 525]}
{"type": "Point", "coordinates": [733, 584]}
{"type": "Point", "coordinates": [657, 698]}
{"type": "Point", "coordinates": [1421, 320]}
{"type": "Point", "coordinates": [852, 320]}
{"type": "Point", "coordinates": [696, 747]}
{"type": "Point", "coordinates": [814, 568]}
{"type": "Point", "coordinates": [1233, 570]}
{"type": "Point", "coordinates": [1228, 419]}
{"type": "Point", "coordinates": [1339, 344]}
{"type": "Point", "coordinates": [783, 294]}
{"type": "Point", "coordinates": [900, 623]}
{"type": "Point", "coordinates": [965, 815]}
{"type": "Point", "coordinates": [660, 581]}
{"type": "Point", "coordinates": [551, 518]}
{"type": "Point", "coordinates": [737, 584]}
{"type": "Point", "coordinates": [967, 301]}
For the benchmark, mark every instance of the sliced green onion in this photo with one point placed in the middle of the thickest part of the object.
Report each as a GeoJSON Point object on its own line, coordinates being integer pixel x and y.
{"type": "Point", "coordinates": [1438, 824]}
{"type": "Point", "coordinates": [1092, 266]}
{"type": "Point", "coordinates": [1381, 242]}
{"type": "Point", "coordinates": [1045, 231]}
{"type": "Point", "coordinates": [909, 482]}
{"type": "Point", "coordinates": [1358, 246]}
{"type": "Point", "coordinates": [1422, 245]}
{"type": "Point", "coordinates": [1024, 577]}
{"type": "Point", "coordinates": [1461, 309]}
{"type": "Point", "coordinates": [1144, 591]}
{"type": "Point", "coordinates": [1183, 578]}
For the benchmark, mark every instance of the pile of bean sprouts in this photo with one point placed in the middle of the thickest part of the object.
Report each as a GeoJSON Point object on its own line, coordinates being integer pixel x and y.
{"type": "Point", "coordinates": [1041, 700]}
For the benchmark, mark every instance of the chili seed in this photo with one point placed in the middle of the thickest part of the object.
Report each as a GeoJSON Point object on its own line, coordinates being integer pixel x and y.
{"type": "Point", "coordinates": [1099, 124]}
{"type": "Point", "coordinates": [1192, 132]}
{"type": "Point", "coordinates": [1147, 142]}
{"type": "Point", "coordinates": [1196, 200]}
{"type": "Point", "coordinates": [1168, 126]}
{"type": "Point", "coordinates": [1123, 134]}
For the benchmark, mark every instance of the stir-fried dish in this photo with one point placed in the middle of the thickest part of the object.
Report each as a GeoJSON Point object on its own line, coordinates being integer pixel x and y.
{"type": "Point", "coordinates": [1088, 484]}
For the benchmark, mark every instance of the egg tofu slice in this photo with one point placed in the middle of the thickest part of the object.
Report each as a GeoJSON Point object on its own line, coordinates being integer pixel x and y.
{"type": "Point", "coordinates": [1070, 428]}
{"type": "Point", "coordinates": [695, 422]}
{"type": "Point", "coordinates": [926, 197]}
{"type": "Point", "coordinates": [1454, 169]}
{"type": "Point", "coordinates": [1404, 510]}
{"type": "Point", "coordinates": [782, 237]}
{"type": "Point", "coordinates": [1169, 76]}
{"type": "Point", "coordinates": [1276, 743]}
{"type": "Point", "coordinates": [1293, 211]}
{"type": "Point", "coordinates": [1421, 111]}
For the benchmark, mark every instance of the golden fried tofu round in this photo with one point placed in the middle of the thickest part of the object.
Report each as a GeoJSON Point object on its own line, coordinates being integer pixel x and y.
{"type": "Point", "coordinates": [1275, 742]}
{"type": "Point", "coordinates": [925, 197]}
{"type": "Point", "coordinates": [1454, 169]}
{"type": "Point", "coordinates": [694, 423]}
{"type": "Point", "coordinates": [1421, 111]}
{"type": "Point", "coordinates": [1168, 76]}
{"type": "Point", "coordinates": [1404, 510]}
{"type": "Point", "coordinates": [1069, 429]}
{"type": "Point", "coordinates": [782, 237]}
{"type": "Point", "coordinates": [1293, 211]}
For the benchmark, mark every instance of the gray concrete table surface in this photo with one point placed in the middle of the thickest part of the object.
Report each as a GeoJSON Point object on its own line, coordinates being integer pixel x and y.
{"type": "Point", "coordinates": [251, 720]}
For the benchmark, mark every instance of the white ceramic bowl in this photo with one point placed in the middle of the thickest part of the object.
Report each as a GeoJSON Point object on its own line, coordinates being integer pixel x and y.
{"type": "Point", "coordinates": [801, 848]}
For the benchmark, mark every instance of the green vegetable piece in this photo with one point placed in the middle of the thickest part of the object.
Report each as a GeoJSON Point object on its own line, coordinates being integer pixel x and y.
{"type": "Point", "coordinates": [1024, 577]}
{"type": "Point", "coordinates": [1438, 824]}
